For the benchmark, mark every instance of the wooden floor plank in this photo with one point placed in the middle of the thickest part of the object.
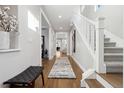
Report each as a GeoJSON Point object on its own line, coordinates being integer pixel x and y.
{"type": "Point", "coordinates": [73, 83]}
{"type": "Point", "coordinates": [93, 83]}
{"type": "Point", "coordinates": [115, 79]}
{"type": "Point", "coordinates": [60, 83]}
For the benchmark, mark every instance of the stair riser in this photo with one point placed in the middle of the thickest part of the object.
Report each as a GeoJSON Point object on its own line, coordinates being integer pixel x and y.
{"type": "Point", "coordinates": [113, 58]}
{"type": "Point", "coordinates": [109, 44]}
{"type": "Point", "coordinates": [106, 40]}
{"type": "Point", "coordinates": [110, 50]}
{"type": "Point", "coordinates": [114, 69]}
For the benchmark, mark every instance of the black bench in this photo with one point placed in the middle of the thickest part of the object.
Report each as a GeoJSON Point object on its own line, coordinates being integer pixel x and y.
{"type": "Point", "coordinates": [26, 78]}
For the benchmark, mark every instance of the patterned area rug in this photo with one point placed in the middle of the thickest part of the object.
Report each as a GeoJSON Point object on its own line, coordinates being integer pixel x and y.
{"type": "Point", "coordinates": [61, 69]}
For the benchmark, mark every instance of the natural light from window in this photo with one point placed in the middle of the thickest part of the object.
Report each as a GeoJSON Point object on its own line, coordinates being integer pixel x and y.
{"type": "Point", "coordinates": [33, 23]}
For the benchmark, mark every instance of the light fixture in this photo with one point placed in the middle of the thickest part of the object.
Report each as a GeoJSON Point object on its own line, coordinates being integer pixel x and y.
{"type": "Point", "coordinates": [59, 16]}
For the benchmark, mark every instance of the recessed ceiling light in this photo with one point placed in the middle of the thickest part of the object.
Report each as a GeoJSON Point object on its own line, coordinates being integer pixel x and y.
{"type": "Point", "coordinates": [59, 16]}
{"type": "Point", "coordinates": [60, 28]}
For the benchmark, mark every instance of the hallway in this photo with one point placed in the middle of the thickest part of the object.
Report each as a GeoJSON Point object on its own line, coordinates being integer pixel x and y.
{"type": "Point", "coordinates": [61, 83]}
{"type": "Point", "coordinates": [88, 36]}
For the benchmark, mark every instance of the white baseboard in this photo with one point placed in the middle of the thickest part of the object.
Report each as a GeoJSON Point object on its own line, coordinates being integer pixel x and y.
{"type": "Point", "coordinates": [94, 76]}
{"type": "Point", "coordinates": [83, 69]}
{"type": "Point", "coordinates": [84, 84]}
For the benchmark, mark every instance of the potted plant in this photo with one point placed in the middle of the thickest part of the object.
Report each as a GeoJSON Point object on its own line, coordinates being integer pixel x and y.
{"type": "Point", "coordinates": [8, 23]}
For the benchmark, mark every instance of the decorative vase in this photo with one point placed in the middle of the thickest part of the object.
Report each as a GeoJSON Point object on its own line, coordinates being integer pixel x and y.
{"type": "Point", "coordinates": [14, 40]}
{"type": "Point", "coordinates": [4, 40]}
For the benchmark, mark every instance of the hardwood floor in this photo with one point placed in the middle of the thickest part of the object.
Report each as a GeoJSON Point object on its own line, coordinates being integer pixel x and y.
{"type": "Point", "coordinates": [115, 79]}
{"type": "Point", "coordinates": [62, 83]}
{"type": "Point", "coordinates": [59, 83]}
{"type": "Point", "coordinates": [93, 83]}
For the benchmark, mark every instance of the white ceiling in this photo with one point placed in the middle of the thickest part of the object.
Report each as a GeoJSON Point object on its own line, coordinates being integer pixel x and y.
{"type": "Point", "coordinates": [66, 11]}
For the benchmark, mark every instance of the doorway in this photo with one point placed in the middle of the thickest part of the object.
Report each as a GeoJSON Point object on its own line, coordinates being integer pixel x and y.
{"type": "Point", "coordinates": [61, 43]}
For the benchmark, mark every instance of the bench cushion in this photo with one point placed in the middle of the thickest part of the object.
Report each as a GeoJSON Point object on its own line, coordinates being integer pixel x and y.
{"type": "Point", "coordinates": [27, 76]}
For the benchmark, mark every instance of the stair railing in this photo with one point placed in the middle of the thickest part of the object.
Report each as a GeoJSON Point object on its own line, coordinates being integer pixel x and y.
{"type": "Point", "coordinates": [100, 27]}
{"type": "Point", "coordinates": [93, 33]}
{"type": "Point", "coordinates": [89, 32]}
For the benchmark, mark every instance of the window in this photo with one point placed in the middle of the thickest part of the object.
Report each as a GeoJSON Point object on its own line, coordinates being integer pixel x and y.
{"type": "Point", "coordinates": [33, 23]}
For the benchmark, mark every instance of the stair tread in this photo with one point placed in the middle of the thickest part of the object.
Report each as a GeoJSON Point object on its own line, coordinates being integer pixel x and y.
{"type": "Point", "coordinates": [110, 42]}
{"type": "Point", "coordinates": [116, 80]}
{"type": "Point", "coordinates": [115, 54]}
{"type": "Point", "coordinates": [106, 38]}
{"type": "Point", "coordinates": [106, 41]}
{"type": "Point", "coordinates": [93, 83]}
{"type": "Point", "coordinates": [113, 47]}
{"type": "Point", "coordinates": [117, 63]}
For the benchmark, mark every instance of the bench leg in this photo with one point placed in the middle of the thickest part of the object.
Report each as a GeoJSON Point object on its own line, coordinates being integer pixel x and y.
{"type": "Point", "coordinates": [32, 85]}
{"type": "Point", "coordinates": [42, 78]}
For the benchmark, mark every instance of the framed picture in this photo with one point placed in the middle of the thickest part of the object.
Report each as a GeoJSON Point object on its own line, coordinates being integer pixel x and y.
{"type": "Point", "coordinates": [74, 41]}
{"type": "Point", "coordinates": [97, 8]}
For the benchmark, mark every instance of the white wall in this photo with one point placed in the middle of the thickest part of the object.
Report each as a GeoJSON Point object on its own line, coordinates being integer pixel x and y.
{"type": "Point", "coordinates": [113, 17]}
{"type": "Point", "coordinates": [82, 55]}
{"type": "Point", "coordinates": [15, 62]}
{"type": "Point", "coordinates": [52, 43]}
{"type": "Point", "coordinates": [89, 12]}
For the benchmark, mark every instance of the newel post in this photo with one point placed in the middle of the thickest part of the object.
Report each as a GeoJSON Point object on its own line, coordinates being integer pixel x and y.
{"type": "Point", "coordinates": [100, 65]}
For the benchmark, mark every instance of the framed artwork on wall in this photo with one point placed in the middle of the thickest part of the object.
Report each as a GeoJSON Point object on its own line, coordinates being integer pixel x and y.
{"type": "Point", "coordinates": [97, 8]}
{"type": "Point", "coordinates": [74, 41]}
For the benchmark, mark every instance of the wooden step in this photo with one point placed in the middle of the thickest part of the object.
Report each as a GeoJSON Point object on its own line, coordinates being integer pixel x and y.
{"type": "Point", "coordinates": [115, 79]}
{"type": "Point", "coordinates": [113, 57]}
{"type": "Point", "coordinates": [109, 44]}
{"type": "Point", "coordinates": [114, 64]}
{"type": "Point", "coordinates": [106, 39]}
{"type": "Point", "coordinates": [113, 50]}
{"type": "Point", "coordinates": [93, 83]}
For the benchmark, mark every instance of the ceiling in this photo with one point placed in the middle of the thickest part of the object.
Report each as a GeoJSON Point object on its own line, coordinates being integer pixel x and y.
{"type": "Point", "coordinates": [60, 15]}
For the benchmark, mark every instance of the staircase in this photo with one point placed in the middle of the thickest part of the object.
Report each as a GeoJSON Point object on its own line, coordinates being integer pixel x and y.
{"type": "Point", "coordinates": [113, 56]}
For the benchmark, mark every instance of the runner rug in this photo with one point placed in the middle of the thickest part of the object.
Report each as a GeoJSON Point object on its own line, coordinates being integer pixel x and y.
{"type": "Point", "coordinates": [62, 69]}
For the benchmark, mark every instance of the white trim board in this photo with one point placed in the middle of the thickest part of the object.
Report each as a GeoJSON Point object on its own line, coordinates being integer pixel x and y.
{"type": "Point", "coordinates": [82, 68]}
{"type": "Point", "coordinates": [114, 38]}
{"type": "Point", "coordinates": [96, 76]}
{"type": "Point", "coordinates": [103, 82]}
{"type": "Point", "coordinates": [43, 13]}
{"type": "Point", "coordinates": [85, 84]}
{"type": "Point", "coordinates": [10, 50]}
